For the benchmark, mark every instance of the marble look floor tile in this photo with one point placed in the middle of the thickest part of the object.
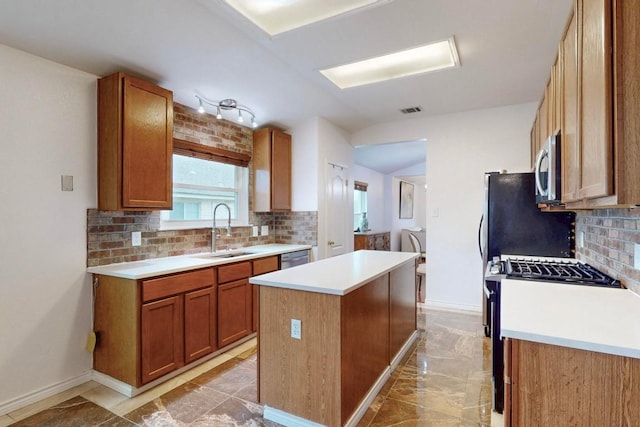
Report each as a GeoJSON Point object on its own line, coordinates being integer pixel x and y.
{"type": "Point", "coordinates": [77, 411]}
{"type": "Point", "coordinates": [47, 403]}
{"type": "Point", "coordinates": [397, 413]}
{"type": "Point", "coordinates": [104, 396]}
{"type": "Point", "coordinates": [180, 406]}
{"type": "Point", "coordinates": [6, 420]}
{"type": "Point", "coordinates": [228, 378]}
{"type": "Point", "coordinates": [234, 413]}
{"type": "Point", "coordinates": [443, 380]}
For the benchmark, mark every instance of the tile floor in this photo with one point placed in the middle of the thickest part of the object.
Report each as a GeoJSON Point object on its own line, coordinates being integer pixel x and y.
{"type": "Point", "coordinates": [444, 380]}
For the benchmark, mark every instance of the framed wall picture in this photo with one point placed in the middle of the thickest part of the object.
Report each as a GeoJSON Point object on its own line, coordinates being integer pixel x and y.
{"type": "Point", "coordinates": [406, 200]}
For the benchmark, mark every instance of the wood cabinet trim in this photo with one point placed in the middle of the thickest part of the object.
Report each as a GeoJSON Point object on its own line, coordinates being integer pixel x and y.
{"type": "Point", "coordinates": [235, 271]}
{"type": "Point", "coordinates": [265, 265]}
{"type": "Point", "coordinates": [176, 284]}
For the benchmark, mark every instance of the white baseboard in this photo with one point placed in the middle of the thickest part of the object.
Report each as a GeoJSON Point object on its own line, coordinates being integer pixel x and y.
{"type": "Point", "coordinates": [287, 419]}
{"type": "Point", "coordinates": [43, 393]}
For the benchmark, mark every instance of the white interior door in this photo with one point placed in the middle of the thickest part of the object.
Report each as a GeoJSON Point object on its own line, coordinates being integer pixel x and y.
{"type": "Point", "coordinates": [337, 209]}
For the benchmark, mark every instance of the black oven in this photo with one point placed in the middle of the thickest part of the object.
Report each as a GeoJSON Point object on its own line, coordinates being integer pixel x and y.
{"type": "Point", "coordinates": [567, 271]}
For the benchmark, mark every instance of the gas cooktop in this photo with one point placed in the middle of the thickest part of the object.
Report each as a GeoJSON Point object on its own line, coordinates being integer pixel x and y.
{"type": "Point", "coordinates": [569, 271]}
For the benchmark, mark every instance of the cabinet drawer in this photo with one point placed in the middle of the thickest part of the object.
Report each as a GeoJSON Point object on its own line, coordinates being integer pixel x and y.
{"type": "Point", "coordinates": [265, 265]}
{"type": "Point", "coordinates": [240, 270]}
{"type": "Point", "coordinates": [176, 284]}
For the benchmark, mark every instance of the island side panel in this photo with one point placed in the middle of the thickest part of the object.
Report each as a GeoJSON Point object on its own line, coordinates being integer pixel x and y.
{"type": "Point", "coordinates": [402, 306]}
{"type": "Point", "coordinates": [116, 326]}
{"type": "Point", "coordinates": [567, 386]}
{"type": "Point", "coordinates": [301, 377]}
{"type": "Point", "coordinates": [365, 341]}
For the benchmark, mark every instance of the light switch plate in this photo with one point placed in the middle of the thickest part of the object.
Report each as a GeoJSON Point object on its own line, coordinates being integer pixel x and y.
{"type": "Point", "coordinates": [264, 230]}
{"type": "Point", "coordinates": [581, 239]}
{"type": "Point", "coordinates": [636, 256]}
{"type": "Point", "coordinates": [136, 238]}
{"type": "Point", "coordinates": [254, 230]}
{"type": "Point", "coordinates": [67, 182]}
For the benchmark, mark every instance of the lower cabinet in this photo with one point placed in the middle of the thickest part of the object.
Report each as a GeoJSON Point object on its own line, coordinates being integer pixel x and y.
{"type": "Point", "coordinates": [162, 337]}
{"type": "Point", "coordinates": [235, 309]}
{"type": "Point", "coordinates": [148, 328]}
{"type": "Point", "coordinates": [549, 385]}
{"type": "Point", "coordinates": [200, 323]}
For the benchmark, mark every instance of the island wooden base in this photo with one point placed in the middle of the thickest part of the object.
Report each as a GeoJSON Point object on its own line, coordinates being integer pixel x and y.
{"type": "Point", "coordinates": [347, 347]}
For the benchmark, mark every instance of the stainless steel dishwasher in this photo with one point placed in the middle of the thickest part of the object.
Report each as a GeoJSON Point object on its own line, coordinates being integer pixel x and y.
{"type": "Point", "coordinates": [291, 259]}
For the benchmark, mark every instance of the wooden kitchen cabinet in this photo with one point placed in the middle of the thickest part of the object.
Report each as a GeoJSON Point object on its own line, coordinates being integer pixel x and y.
{"type": "Point", "coordinates": [570, 151]}
{"type": "Point", "coordinates": [271, 170]}
{"type": "Point", "coordinates": [162, 337]}
{"type": "Point", "coordinates": [200, 323]}
{"type": "Point", "coordinates": [235, 308]}
{"type": "Point", "coordinates": [601, 105]}
{"type": "Point", "coordinates": [552, 385]}
{"type": "Point", "coordinates": [373, 241]}
{"type": "Point", "coordinates": [135, 144]}
{"type": "Point", "coordinates": [150, 327]}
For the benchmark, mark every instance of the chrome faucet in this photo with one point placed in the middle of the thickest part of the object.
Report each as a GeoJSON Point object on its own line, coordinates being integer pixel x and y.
{"type": "Point", "coordinates": [213, 229]}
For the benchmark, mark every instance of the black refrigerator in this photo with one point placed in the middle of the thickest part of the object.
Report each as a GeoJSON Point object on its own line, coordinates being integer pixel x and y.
{"type": "Point", "coordinates": [512, 224]}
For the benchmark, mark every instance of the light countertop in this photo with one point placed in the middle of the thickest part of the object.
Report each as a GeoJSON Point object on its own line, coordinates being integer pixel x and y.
{"type": "Point", "coordinates": [605, 320]}
{"type": "Point", "coordinates": [176, 264]}
{"type": "Point", "coordinates": [338, 275]}
{"type": "Point", "coordinates": [369, 232]}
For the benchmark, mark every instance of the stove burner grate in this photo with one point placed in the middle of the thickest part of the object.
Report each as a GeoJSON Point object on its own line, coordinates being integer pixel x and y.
{"type": "Point", "coordinates": [558, 271]}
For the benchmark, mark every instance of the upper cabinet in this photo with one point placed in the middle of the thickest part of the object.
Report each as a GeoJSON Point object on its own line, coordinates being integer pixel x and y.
{"type": "Point", "coordinates": [272, 170]}
{"type": "Point", "coordinates": [597, 105]}
{"type": "Point", "coordinates": [135, 144]}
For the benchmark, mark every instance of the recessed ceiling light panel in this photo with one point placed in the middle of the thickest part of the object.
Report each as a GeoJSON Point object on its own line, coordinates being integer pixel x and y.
{"type": "Point", "coordinates": [278, 16]}
{"type": "Point", "coordinates": [419, 60]}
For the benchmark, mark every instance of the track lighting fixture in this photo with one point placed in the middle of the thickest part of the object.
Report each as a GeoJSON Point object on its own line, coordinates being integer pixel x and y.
{"type": "Point", "coordinates": [227, 105]}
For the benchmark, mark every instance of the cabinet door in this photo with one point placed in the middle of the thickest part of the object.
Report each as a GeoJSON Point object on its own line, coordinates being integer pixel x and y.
{"type": "Point", "coordinates": [234, 311]}
{"type": "Point", "coordinates": [147, 145]}
{"type": "Point", "coordinates": [162, 337]}
{"type": "Point", "coordinates": [596, 139]}
{"type": "Point", "coordinates": [199, 323]}
{"type": "Point", "coordinates": [570, 151]}
{"type": "Point", "coordinates": [281, 171]}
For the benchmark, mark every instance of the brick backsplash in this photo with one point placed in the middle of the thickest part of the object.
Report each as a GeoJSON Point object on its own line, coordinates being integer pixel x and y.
{"type": "Point", "coordinates": [109, 233]}
{"type": "Point", "coordinates": [297, 228]}
{"type": "Point", "coordinates": [609, 238]}
{"type": "Point", "coordinates": [109, 237]}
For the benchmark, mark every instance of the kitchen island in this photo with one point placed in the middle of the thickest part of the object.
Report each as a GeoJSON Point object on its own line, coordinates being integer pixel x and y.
{"type": "Point", "coordinates": [572, 354]}
{"type": "Point", "coordinates": [331, 332]}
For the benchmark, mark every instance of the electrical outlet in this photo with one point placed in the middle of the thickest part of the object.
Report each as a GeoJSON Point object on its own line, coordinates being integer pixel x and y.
{"type": "Point", "coordinates": [136, 238]}
{"type": "Point", "coordinates": [264, 230]}
{"type": "Point", "coordinates": [254, 231]}
{"type": "Point", "coordinates": [581, 239]}
{"type": "Point", "coordinates": [636, 256]}
{"type": "Point", "coordinates": [296, 329]}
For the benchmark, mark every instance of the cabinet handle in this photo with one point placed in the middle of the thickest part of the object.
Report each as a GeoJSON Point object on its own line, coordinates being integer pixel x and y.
{"type": "Point", "coordinates": [331, 242]}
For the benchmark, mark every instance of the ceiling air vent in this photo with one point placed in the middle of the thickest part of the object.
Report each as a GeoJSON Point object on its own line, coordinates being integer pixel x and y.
{"type": "Point", "coordinates": [411, 110]}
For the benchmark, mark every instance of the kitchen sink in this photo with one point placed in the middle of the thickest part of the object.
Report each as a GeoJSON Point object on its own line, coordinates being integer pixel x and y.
{"type": "Point", "coordinates": [225, 254]}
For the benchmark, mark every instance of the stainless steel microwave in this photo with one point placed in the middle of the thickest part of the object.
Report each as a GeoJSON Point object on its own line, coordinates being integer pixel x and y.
{"type": "Point", "coordinates": [547, 172]}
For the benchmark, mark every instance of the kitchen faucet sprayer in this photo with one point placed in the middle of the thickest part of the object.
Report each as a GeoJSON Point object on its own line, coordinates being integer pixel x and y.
{"type": "Point", "coordinates": [213, 229]}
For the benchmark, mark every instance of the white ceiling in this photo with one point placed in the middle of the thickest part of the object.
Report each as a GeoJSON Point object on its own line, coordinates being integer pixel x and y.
{"type": "Point", "coordinates": [204, 47]}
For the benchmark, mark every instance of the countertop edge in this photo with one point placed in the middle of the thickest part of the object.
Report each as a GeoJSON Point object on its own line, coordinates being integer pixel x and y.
{"type": "Point", "coordinates": [265, 279]}
{"type": "Point", "coordinates": [192, 262]}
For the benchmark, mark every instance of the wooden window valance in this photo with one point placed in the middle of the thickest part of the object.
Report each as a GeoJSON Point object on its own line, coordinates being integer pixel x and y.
{"type": "Point", "coordinates": [362, 186]}
{"type": "Point", "coordinates": [191, 149]}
